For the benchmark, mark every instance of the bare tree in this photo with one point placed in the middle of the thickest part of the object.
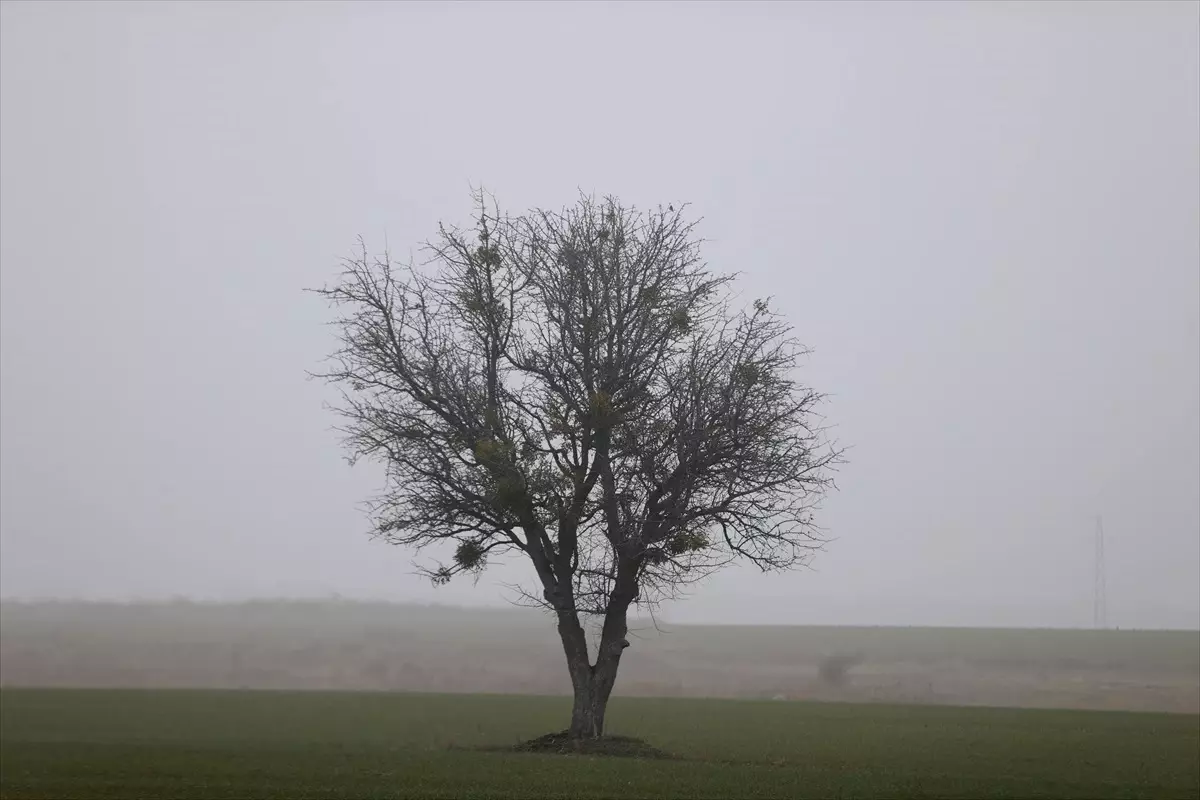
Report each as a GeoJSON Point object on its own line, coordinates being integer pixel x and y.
{"type": "Point", "coordinates": [578, 388]}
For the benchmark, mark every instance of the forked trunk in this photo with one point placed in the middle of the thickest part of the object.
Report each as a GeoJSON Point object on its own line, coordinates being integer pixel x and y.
{"type": "Point", "coordinates": [592, 684]}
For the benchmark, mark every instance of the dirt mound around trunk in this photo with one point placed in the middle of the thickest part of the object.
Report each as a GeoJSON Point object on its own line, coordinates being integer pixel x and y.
{"type": "Point", "coordinates": [620, 746]}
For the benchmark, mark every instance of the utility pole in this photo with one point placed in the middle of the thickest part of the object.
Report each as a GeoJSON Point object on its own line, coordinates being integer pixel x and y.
{"type": "Point", "coordinates": [1099, 581]}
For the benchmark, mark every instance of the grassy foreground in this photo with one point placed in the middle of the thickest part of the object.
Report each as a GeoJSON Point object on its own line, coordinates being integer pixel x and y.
{"type": "Point", "coordinates": [207, 744]}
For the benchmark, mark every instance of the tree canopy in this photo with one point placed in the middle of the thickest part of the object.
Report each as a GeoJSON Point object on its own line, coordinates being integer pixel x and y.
{"type": "Point", "coordinates": [578, 387]}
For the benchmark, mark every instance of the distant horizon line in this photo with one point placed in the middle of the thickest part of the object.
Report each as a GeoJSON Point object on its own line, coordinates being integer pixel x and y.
{"type": "Point", "coordinates": [335, 599]}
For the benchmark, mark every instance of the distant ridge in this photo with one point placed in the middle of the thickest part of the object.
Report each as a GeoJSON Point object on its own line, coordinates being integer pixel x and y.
{"type": "Point", "coordinates": [323, 643]}
{"type": "Point", "coordinates": [533, 614]}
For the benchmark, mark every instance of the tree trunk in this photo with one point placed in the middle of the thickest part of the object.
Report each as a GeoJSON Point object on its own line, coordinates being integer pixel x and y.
{"type": "Point", "coordinates": [587, 712]}
{"type": "Point", "coordinates": [593, 684]}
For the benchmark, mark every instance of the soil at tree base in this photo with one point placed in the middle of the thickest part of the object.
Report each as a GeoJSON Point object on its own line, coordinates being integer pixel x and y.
{"type": "Point", "coordinates": [561, 743]}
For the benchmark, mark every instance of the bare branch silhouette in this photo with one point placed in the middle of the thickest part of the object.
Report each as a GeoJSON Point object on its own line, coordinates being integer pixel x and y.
{"type": "Point", "coordinates": [576, 387]}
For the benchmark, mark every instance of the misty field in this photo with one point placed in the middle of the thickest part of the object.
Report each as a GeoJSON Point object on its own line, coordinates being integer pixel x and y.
{"type": "Point", "coordinates": [208, 744]}
{"type": "Point", "coordinates": [363, 646]}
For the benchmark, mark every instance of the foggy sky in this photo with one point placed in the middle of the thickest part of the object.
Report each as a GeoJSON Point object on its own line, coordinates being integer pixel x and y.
{"type": "Point", "coordinates": [984, 218]}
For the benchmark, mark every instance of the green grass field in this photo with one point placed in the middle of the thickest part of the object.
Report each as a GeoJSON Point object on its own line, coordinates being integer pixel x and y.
{"type": "Point", "coordinates": [207, 744]}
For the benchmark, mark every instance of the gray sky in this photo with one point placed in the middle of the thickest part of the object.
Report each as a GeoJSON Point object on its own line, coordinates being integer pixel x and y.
{"type": "Point", "coordinates": [985, 218]}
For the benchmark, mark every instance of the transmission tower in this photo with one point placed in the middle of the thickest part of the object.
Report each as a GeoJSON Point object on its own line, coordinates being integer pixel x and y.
{"type": "Point", "coordinates": [1099, 583]}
